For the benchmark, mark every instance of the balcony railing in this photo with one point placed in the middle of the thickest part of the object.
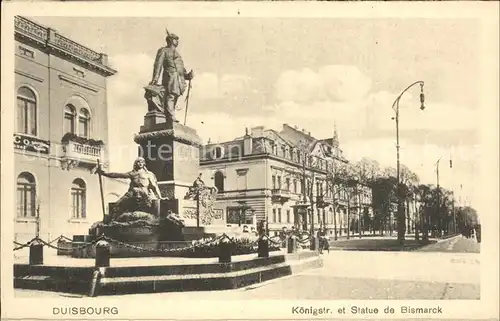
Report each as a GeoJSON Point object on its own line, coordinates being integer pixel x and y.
{"type": "Point", "coordinates": [82, 152]}
{"type": "Point", "coordinates": [282, 194]}
{"type": "Point", "coordinates": [52, 37]}
{"type": "Point", "coordinates": [324, 201]}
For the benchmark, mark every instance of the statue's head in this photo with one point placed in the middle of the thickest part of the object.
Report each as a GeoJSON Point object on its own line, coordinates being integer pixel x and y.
{"type": "Point", "coordinates": [139, 163]}
{"type": "Point", "coordinates": [172, 39]}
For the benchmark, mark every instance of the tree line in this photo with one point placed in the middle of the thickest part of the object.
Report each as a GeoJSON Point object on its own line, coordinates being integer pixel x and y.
{"type": "Point", "coordinates": [434, 208]}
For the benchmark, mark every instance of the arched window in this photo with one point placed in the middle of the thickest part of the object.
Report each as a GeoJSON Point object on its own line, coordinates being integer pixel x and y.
{"type": "Point", "coordinates": [219, 181]}
{"type": "Point", "coordinates": [78, 199]}
{"type": "Point", "coordinates": [235, 151]}
{"type": "Point", "coordinates": [26, 111]}
{"type": "Point", "coordinates": [217, 152]}
{"type": "Point", "coordinates": [84, 123]}
{"type": "Point", "coordinates": [26, 195]}
{"type": "Point", "coordinates": [69, 119]}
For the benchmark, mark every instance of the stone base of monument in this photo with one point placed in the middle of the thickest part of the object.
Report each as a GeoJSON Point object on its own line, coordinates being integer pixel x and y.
{"type": "Point", "coordinates": [134, 242]}
{"type": "Point", "coordinates": [127, 276]}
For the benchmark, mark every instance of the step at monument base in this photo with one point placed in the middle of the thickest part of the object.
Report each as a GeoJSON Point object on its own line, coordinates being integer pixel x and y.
{"type": "Point", "coordinates": [117, 280]}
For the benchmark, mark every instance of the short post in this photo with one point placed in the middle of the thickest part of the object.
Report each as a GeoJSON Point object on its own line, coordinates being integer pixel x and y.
{"type": "Point", "coordinates": [36, 252]}
{"type": "Point", "coordinates": [225, 249]}
{"type": "Point", "coordinates": [283, 242]}
{"type": "Point", "coordinates": [313, 243]}
{"type": "Point", "coordinates": [263, 246]}
{"type": "Point", "coordinates": [102, 253]}
{"type": "Point", "coordinates": [292, 244]}
{"type": "Point", "coordinates": [94, 286]}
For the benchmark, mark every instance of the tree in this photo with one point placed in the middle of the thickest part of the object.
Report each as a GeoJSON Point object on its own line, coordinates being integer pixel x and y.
{"type": "Point", "coordinates": [307, 175]}
{"type": "Point", "coordinates": [467, 219]}
{"type": "Point", "coordinates": [425, 197]}
{"type": "Point", "coordinates": [408, 180]}
{"type": "Point", "coordinates": [383, 195]}
{"type": "Point", "coordinates": [336, 180]}
{"type": "Point", "coordinates": [366, 172]}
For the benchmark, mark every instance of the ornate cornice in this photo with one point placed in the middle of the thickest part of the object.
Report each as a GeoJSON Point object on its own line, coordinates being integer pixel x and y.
{"type": "Point", "coordinates": [54, 42]}
{"type": "Point", "coordinates": [181, 136]}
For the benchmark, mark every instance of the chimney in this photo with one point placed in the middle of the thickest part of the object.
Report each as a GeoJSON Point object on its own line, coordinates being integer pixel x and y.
{"type": "Point", "coordinates": [247, 145]}
{"type": "Point", "coordinates": [257, 131]}
{"type": "Point", "coordinates": [296, 127]}
{"type": "Point", "coordinates": [103, 59]}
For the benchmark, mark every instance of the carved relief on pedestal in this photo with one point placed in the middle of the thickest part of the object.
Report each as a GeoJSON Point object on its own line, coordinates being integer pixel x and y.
{"type": "Point", "coordinates": [189, 213]}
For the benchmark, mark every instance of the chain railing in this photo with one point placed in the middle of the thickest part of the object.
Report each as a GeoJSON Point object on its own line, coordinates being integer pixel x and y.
{"type": "Point", "coordinates": [276, 240]}
{"type": "Point", "coordinates": [123, 244]}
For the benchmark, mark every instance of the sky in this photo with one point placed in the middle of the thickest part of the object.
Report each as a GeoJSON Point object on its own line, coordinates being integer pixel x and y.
{"type": "Point", "coordinates": [309, 73]}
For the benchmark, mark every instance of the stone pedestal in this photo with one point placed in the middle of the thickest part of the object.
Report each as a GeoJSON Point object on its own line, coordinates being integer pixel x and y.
{"type": "Point", "coordinates": [171, 151]}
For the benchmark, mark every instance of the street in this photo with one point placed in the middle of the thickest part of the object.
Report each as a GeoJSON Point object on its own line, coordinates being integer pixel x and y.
{"type": "Point", "coordinates": [449, 269]}
{"type": "Point", "coordinates": [459, 244]}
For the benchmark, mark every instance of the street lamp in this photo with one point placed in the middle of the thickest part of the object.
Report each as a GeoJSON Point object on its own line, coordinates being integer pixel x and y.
{"type": "Point", "coordinates": [395, 107]}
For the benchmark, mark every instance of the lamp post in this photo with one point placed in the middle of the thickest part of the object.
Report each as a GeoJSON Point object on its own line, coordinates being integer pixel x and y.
{"type": "Point", "coordinates": [395, 107]}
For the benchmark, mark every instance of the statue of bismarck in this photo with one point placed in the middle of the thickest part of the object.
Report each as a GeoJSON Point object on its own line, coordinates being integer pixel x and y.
{"type": "Point", "coordinates": [163, 97]}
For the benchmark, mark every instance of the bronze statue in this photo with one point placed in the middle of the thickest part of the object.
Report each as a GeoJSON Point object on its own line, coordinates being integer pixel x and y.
{"type": "Point", "coordinates": [170, 65]}
{"type": "Point", "coordinates": [199, 188]}
{"type": "Point", "coordinates": [142, 191]}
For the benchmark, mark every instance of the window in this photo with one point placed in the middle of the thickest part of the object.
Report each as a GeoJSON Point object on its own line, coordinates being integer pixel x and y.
{"type": "Point", "coordinates": [274, 215]}
{"type": "Point", "coordinates": [78, 199]}
{"type": "Point", "coordinates": [288, 216]}
{"type": "Point", "coordinates": [219, 181]}
{"type": "Point", "coordinates": [274, 181]}
{"type": "Point", "coordinates": [26, 111]}
{"type": "Point", "coordinates": [235, 152]}
{"type": "Point", "coordinates": [287, 182]}
{"type": "Point", "coordinates": [295, 186]}
{"type": "Point", "coordinates": [84, 123]}
{"type": "Point", "coordinates": [279, 182]}
{"type": "Point", "coordinates": [218, 152]}
{"type": "Point", "coordinates": [69, 119]}
{"type": "Point", "coordinates": [279, 215]}
{"type": "Point", "coordinates": [241, 180]}
{"type": "Point", "coordinates": [233, 215]}
{"type": "Point", "coordinates": [26, 195]}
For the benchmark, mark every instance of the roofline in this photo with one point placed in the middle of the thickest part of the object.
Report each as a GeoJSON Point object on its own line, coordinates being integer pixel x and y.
{"type": "Point", "coordinates": [54, 42]}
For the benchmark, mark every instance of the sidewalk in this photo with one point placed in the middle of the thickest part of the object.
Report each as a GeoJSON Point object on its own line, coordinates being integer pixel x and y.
{"type": "Point", "coordinates": [381, 243]}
